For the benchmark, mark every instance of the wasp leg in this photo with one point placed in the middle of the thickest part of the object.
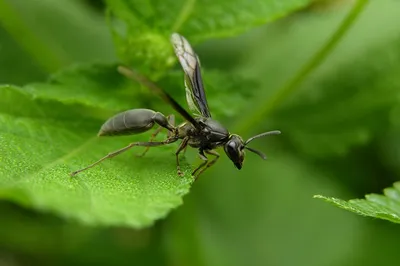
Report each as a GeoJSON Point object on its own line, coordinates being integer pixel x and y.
{"type": "Point", "coordinates": [204, 158]}
{"type": "Point", "coordinates": [171, 122]}
{"type": "Point", "coordinates": [184, 150]}
{"type": "Point", "coordinates": [211, 152]}
{"type": "Point", "coordinates": [180, 148]}
{"type": "Point", "coordinates": [117, 152]}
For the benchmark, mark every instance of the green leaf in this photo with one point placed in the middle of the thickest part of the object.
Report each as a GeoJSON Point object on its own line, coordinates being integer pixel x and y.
{"type": "Point", "coordinates": [42, 141]}
{"type": "Point", "coordinates": [142, 29]}
{"type": "Point", "coordinates": [92, 85]}
{"type": "Point", "coordinates": [386, 207]}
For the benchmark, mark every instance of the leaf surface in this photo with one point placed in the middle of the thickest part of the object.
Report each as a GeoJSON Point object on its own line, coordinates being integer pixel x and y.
{"type": "Point", "coordinates": [42, 141]}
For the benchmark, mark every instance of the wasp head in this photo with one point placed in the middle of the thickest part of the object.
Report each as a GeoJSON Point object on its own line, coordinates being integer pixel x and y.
{"type": "Point", "coordinates": [234, 149]}
{"type": "Point", "coordinates": [235, 146]}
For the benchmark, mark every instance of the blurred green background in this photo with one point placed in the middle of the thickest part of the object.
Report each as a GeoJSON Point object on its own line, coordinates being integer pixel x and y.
{"type": "Point", "coordinates": [340, 138]}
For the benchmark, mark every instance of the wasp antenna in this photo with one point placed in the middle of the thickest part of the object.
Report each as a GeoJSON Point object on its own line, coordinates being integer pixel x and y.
{"type": "Point", "coordinates": [262, 155]}
{"type": "Point", "coordinates": [274, 132]}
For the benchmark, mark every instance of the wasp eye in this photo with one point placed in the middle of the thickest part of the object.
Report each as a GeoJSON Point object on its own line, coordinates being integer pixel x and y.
{"type": "Point", "coordinates": [232, 146]}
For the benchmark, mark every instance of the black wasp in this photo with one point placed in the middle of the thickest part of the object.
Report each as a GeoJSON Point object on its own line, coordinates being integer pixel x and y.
{"type": "Point", "coordinates": [201, 131]}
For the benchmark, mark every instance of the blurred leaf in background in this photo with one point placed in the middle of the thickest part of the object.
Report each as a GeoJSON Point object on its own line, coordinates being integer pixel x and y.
{"type": "Point", "coordinates": [32, 239]}
{"type": "Point", "coordinates": [48, 36]}
{"type": "Point", "coordinates": [359, 85]}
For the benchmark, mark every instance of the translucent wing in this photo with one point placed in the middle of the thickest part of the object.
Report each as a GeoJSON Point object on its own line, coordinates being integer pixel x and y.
{"type": "Point", "coordinates": [195, 94]}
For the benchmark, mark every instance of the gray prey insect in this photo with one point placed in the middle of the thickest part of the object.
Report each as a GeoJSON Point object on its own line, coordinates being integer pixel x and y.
{"type": "Point", "coordinates": [199, 131]}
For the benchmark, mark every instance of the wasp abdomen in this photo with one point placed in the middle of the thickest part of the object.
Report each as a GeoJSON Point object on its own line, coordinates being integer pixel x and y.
{"type": "Point", "coordinates": [129, 122]}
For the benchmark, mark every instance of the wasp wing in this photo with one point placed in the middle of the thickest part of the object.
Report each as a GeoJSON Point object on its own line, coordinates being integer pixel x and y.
{"type": "Point", "coordinates": [195, 94]}
{"type": "Point", "coordinates": [132, 74]}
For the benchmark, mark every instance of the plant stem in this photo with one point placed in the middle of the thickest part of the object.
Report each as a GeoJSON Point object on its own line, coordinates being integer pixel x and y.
{"type": "Point", "coordinates": [264, 109]}
{"type": "Point", "coordinates": [48, 59]}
